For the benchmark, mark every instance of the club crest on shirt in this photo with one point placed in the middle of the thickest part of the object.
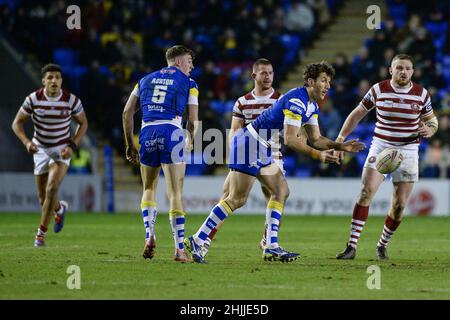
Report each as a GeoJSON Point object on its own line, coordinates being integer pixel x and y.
{"type": "Point", "coordinates": [372, 159]}
{"type": "Point", "coordinates": [415, 107]}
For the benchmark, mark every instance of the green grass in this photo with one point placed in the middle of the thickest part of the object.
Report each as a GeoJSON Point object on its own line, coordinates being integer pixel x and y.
{"type": "Point", "coordinates": [107, 248]}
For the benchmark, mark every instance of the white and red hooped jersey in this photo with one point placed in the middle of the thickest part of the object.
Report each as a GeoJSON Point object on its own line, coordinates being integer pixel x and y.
{"type": "Point", "coordinates": [51, 116]}
{"type": "Point", "coordinates": [399, 111]}
{"type": "Point", "coordinates": [249, 107]}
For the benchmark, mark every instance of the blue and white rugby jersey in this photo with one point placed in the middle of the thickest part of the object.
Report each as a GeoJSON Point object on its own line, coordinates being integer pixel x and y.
{"type": "Point", "coordinates": [164, 94]}
{"type": "Point", "coordinates": [293, 108]}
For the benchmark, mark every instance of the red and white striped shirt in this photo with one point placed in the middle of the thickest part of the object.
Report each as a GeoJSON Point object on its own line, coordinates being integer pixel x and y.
{"type": "Point", "coordinates": [398, 111]}
{"type": "Point", "coordinates": [51, 116]}
{"type": "Point", "coordinates": [249, 107]}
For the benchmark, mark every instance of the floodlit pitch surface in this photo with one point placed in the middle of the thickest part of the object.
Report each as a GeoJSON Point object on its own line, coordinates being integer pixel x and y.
{"type": "Point", "coordinates": [107, 249]}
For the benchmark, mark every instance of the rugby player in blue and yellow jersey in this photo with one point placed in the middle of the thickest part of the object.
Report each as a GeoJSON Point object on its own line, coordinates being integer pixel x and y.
{"type": "Point", "coordinates": [162, 97]}
{"type": "Point", "coordinates": [251, 156]}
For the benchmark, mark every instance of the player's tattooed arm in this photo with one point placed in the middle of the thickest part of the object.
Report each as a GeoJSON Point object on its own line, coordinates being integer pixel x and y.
{"type": "Point", "coordinates": [428, 126]}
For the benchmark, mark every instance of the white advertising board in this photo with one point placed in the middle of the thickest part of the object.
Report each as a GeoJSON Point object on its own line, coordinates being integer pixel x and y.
{"type": "Point", "coordinates": [18, 192]}
{"type": "Point", "coordinates": [307, 197]}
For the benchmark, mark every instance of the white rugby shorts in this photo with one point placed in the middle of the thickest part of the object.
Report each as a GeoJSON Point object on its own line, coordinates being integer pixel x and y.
{"type": "Point", "coordinates": [409, 168]}
{"type": "Point", "coordinates": [46, 156]}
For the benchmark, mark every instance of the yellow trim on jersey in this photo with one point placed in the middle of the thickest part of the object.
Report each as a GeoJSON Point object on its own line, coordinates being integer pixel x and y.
{"type": "Point", "coordinates": [275, 205]}
{"type": "Point", "coordinates": [176, 213]}
{"type": "Point", "coordinates": [289, 114]}
{"type": "Point", "coordinates": [225, 206]}
{"type": "Point", "coordinates": [148, 204]}
{"type": "Point", "coordinates": [137, 86]}
{"type": "Point", "coordinates": [193, 92]}
{"type": "Point", "coordinates": [315, 116]}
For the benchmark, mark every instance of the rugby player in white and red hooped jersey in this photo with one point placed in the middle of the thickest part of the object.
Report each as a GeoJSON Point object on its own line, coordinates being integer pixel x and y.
{"type": "Point", "coordinates": [51, 109]}
{"type": "Point", "coordinates": [246, 109]}
{"type": "Point", "coordinates": [404, 115]}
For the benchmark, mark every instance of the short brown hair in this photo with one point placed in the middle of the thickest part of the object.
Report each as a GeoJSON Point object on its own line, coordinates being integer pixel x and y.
{"type": "Point", "coordinates": [177, 51]}
{"type": "Point", "coordinates": [403, 56]}
{"type": "Point", "coordinates": [260, 62]}
{"type": "Point", "coordinates": [313, 70]}
{"type": "Point", "coordinates": [50, 67]}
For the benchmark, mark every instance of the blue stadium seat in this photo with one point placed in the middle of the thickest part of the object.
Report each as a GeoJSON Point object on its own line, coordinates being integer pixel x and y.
{"type": "Point", "coordinates": [222, 106]}
{"type": "Point", "coordinates": [105, 71]}
{"type": "Point", "coordinates": [437, 29]}
{"type": "Point", "coordinates": [303, 172]}
{"type": "Point", "coordinates": [65, 57]}
{"type": "Point", "coordinates": [398, 12]}
{"type": "Point", "coordinates": [290, 164]}
{"type": "Point", "coordinates": [195, 165]}
{"type": "Point", "coordinates": [292, 45]}
{"type": "Point", "coordinates": [361, 158]}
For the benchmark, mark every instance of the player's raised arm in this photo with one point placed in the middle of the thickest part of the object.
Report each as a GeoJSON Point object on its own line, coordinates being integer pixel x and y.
{"type": "Point", "coordinates": [128, 125]}
{"type": "Point", "coordinates": [292, 140]}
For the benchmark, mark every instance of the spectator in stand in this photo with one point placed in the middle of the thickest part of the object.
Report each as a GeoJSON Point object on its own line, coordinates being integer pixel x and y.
{"type": "Point", "coordinates": [436, 161]}
{"type": "Point", "coordinates": [300, 18]}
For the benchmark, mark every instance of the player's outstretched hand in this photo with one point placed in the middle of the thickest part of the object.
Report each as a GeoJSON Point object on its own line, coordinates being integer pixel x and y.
{"type": "Point", "coordinates": [425, 131]}
{"type": "Point", "coordinates": [328, 156]}
{"type": "Point", "coordinates": [31, 147]}
{"type": "Point", "coordinates": [132, 155]}
{"type": "Point", "coordinates": [352, 146]}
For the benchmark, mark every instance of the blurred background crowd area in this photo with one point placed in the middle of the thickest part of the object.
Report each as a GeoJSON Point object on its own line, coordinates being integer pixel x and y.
{"type": "Point", "coordinates": [121, 41]}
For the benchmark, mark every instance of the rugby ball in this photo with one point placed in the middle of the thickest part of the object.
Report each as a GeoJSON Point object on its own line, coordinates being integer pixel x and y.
{"type": "Point", "coordinates": [389, 160]}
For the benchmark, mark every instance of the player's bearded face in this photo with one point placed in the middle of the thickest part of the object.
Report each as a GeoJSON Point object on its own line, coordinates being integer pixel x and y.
{"type": "Point", "coordinates": [402, 71]}
{"type": "Point", "coordinates": [52, 82]}
{"type": "Point", "coordinates": [264, 76]}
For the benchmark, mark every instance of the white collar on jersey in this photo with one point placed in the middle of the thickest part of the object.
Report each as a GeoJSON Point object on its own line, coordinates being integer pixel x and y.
{"type": "Point", "coordinates": [262, 97]}
{"type": "Point", "coordinates": [401, 90]}
{"type": "Point", "coordinates": [53, 98]}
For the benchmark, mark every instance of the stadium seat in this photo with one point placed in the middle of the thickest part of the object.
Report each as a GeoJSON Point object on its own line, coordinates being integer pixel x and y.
{"type": "Point", "coordinates": [398, 11]}
{"type": "Point", "coordinates": [195, 165]}
{"type": "Point", "coordinates": [292, 45]}
{"type": "Point", "coordinates": [65, 57]}
{"type": "Point", "coordinates": [303, 172]}
{"type": "Point", "coordinates": [290, 164]}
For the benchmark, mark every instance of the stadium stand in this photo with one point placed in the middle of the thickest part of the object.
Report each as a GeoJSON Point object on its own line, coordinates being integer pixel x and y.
{"type": "Point", "coordinates": [122, 40]}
